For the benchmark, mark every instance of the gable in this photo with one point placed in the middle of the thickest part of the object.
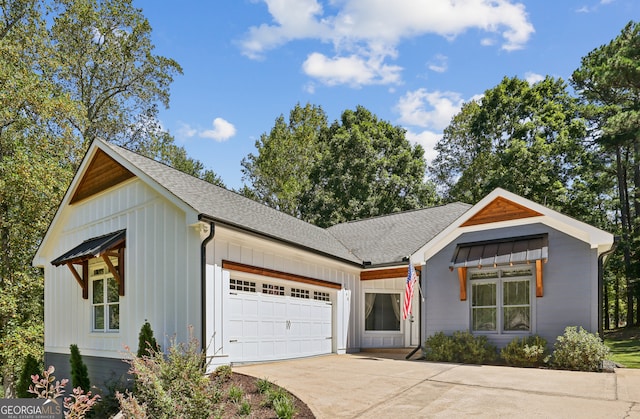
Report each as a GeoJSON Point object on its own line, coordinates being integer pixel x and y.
{"type": "Point", "coordinates": [102, 173]}
{"type": "Point", "coordinates": [500, 209]}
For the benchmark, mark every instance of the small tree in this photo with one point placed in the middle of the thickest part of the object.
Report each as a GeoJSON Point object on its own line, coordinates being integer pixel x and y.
{"type": "Point", "coordinates": [79, 373]}
{"type": "Point", "coordinates": [146, 341]}
{"type": "Point", "coordinates": [31, 367]}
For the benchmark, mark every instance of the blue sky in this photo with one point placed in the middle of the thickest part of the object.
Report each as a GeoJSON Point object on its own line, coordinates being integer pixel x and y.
{"type": "Point", "coordinates": [411, 62]}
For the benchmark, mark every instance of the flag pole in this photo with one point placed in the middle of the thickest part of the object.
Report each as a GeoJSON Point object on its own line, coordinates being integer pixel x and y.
{"type": "Point", "coordinates": [417, 348]}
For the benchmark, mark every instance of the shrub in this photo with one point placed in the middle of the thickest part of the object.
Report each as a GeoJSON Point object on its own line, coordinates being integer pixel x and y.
{"type": "Point", "coordinates": [222, 374]}
{"type": "Point", "coordinates": [462, 347]}
{"type": "Point", "coordinates": [171, 386]}
{"type": "Point", "coordinates": [579, 350]}
{"type": "Point", "coordinates": [31, 367]}
{"type": "Point", "coordinates": [146, 341]}
{"type": "Point", "coordinates": [235, 394]}
{"type": "Point", "coordinates": [525, 352]}
{"type": "Point", "coordinates": [77, 406]}
{"type": "Point", "coordinates": [263, 385]}
{"type": "Point", "coordinates": [79, 373]}
{"type": "Point", "coordinates": [284, 407]}
{"type": "Point", "coordinates": [244, 409]}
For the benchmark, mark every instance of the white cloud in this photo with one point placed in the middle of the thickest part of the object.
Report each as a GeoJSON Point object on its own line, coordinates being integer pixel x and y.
{"type": "Point", "coordinates": [439, 64]}
{"type": "Point", "coordinates": [428, 140]}
{"type": "Point", "coordinates": [533, 78]}
{"type": "Point", "coordinates": [366, 33]}
{"type": "Point", "coordinates": [352, 70]}
{"type": "Point", "coordinates": [222, 130]}
{"type": "Point", "coordinates": [429, 109]}
{"type": "Point", "coordinates": [186, 131]}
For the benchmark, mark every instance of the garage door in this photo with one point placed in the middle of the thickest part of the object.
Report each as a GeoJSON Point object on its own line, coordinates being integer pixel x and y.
{"type": "Point", "coordinates": [269, 322]}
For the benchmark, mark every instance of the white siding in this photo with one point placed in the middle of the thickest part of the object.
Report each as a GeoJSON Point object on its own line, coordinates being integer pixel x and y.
{"type": "Point", "coordinates": [250, 250]}
{"type": "Point", "coordinates": [162, 272]}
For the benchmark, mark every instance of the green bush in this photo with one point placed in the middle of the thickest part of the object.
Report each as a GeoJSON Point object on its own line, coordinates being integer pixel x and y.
{"type": "Point", "coordinates": [235, 393]}
{"type": "Point", "coordinates": [244, 409]}
{"type": "Point", "coordinates": [284, 407]}
{"type": "Point", "coordinates": [31, 367]}
{"type": "Point", "coordinates": [525, 352]}
{"type": "Point", "coordinates": [263, 385]}
{"type": "Point", "coordinates": [171, 385]}
{"type": "Point", "coordinates": [146, 341]}
{"type": "Point", "coordinates": [462, 347]}
{"type": "Point", "coordinates": [79, 373]}
{"type": "Point", "coordinates": [579, 350]}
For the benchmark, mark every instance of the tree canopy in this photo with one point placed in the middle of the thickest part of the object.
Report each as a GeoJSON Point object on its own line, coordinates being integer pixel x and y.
{"type": "Point", "coordinates": [357, 167]}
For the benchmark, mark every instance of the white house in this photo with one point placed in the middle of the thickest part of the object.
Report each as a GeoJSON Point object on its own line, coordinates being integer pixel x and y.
{"type": "Point", "coordinates": [135, 240]}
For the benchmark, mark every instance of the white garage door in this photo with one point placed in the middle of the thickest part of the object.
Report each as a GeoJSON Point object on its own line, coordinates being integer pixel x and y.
{"type": "Point", "coordinates": [260, 326]}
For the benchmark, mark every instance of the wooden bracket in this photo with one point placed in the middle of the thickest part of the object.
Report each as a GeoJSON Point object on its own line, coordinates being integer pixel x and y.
{"type": "Point", "coordinates": [539, 284]}
{"type": "Point", "coordinates": [462, 278]}
{"type": "Point", "coordinates": [83, 280]}
{"type": "Point", "coordinates": [118, 274]}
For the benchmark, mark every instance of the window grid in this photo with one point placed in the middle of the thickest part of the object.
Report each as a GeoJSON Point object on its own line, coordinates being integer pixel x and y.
{"type": "Point", "coordinates": [321, 296]}
{"type": "Point", "coordinates": [241, 285]}
{"type": "Point", "coordinates": [272, 289]}
{"type": "Point", "coordinates": [299, 293]}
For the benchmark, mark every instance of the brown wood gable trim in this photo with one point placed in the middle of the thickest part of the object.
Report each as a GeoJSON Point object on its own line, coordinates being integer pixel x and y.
{"type": "Point", "coordinates": [271, 273]}
{"type": "Point", "coordinates": [462, 279]}
{"type": "Point", "coordinates": [402, 271]}
{"type": "Point", "coordinates": [102, 173]}
{"type": "Point", "coordinates": [500, 209]}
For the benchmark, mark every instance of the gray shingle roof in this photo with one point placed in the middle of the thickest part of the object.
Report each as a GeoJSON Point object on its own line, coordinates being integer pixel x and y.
{"type": "Point", "coordinates": [379, 240]}
{"type": "Point", "coordinates": [389, 238]}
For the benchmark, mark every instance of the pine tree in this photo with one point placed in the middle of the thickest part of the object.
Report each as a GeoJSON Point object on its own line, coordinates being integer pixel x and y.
{"type": "Point", "coordinates": [79, 373]}
{"type": "Point", "coordinates": [146, 341]}
{"type": "Point", "coordinates": [31, 367]}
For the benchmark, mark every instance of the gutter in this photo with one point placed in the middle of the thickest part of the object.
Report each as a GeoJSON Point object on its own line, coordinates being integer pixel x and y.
{"type": "Point", "coordinates": [601, 263]}
{"type": "Point", "coordinates": [203, 278]}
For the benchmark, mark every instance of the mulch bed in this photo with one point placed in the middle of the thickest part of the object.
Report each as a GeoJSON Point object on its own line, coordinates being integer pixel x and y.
{"type": "Point", "coordinates": [258, 411]}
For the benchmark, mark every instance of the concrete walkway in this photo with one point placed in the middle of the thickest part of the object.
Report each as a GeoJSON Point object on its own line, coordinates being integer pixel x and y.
{"type": "Point", "coordinates": [371, 385]}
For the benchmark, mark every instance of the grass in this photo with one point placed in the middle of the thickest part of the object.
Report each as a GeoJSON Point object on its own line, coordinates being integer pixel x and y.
{"type": "Point", "coordinates": [624, 345]}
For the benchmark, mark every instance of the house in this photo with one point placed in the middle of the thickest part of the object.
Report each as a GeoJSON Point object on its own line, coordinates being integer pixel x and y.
{"type": "Point", "coordinates": [135, 240]}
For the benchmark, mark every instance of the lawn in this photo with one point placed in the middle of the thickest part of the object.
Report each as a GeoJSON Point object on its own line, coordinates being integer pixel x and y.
{"type": "Point", "coordinates": [625, 346]}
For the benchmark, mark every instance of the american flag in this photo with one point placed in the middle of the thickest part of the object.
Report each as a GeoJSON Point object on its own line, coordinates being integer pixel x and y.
{"type": "Point", "coordinates": [408, 292]}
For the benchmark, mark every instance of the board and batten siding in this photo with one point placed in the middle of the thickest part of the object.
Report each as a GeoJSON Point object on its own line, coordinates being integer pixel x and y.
{"type": "Point", "coordinates": [162, 272]}
{"type": "Point", "coordinates": [570, 287]}
{"type": "Point", "coordinates": [255, 251]}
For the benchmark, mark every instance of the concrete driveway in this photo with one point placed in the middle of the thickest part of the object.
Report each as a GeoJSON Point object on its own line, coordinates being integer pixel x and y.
{"type": "Point", "coordinates": [370, 385]}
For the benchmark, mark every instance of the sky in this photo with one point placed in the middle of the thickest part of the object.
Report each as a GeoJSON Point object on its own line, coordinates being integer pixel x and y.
{"type": "Point", "coordinates": [410, 62]}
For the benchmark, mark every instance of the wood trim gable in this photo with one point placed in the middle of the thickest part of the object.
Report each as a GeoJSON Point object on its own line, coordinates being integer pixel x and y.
{"type": "Point", "coordinates": [272, 273]}
{"type": "Point", "coordinates": [500, 209]}
{"type": "Point", "coordinates": [388, 273]}
{"type": "Point", "coordinates": [102, 173]}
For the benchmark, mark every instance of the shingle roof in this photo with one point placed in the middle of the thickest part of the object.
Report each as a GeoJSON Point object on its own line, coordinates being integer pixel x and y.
{"type": "Point", "coordinates": [236, 210]}
{"type": "Point", "coordinates": [382, 239]}
{"type": "Point", "coordinates": [389, 238]}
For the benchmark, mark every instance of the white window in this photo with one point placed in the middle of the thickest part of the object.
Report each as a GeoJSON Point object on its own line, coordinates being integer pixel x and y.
{"type": "Point", "coordinates": [240, 285]}
{"type": "Point", "coordinates": [299, 293]}
{"type": "Point", "coordinates": [382, 311]}
{"type": "Point", "coordinates": [105, 301]}
{"type": "Point", "coordinates": [501, 300]}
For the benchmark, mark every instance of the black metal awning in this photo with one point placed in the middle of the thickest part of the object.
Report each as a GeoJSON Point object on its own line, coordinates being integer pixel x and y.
{"type": "Point", "coordinates": [91, 248]}
{"type": "Point", "coordinates": [509, 251]}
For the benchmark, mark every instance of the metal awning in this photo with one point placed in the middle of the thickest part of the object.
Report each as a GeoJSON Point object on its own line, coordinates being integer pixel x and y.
{"type": "Point", "coordinates": [501, 252]}
{"type": "Point", "coordinates": [92, 248]}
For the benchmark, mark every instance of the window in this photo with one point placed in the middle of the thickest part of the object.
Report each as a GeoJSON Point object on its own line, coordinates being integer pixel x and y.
{"type": "Point", "coordinates": [272, 289]}
{"type": "Point", "coordinates": [382, 312]}
{"type": "Point", "coordinates": [240, 285]}
{"type": "Point", "coordinates": [321, 296]}
{"type": "Point", "coordinates": [500, 300]}
{"type": "Point", "coordinates": [299, 293]}
{"type": "Point", "coordinates": [105, 301]}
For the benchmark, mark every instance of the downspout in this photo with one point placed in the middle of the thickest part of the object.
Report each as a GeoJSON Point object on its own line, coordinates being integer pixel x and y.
{"type": "Point", "coordinates": [616, 239]}
{"type": "Point", "coordinates": [203, 278]}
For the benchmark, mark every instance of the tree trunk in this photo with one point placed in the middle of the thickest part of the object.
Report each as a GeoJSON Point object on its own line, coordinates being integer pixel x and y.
{"type": "Point", "coordinates": [9, 385]}
{"type": "Point", "coordinates": [625, 223]}
{"type": "Point", "coordinates": [605, 308]}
